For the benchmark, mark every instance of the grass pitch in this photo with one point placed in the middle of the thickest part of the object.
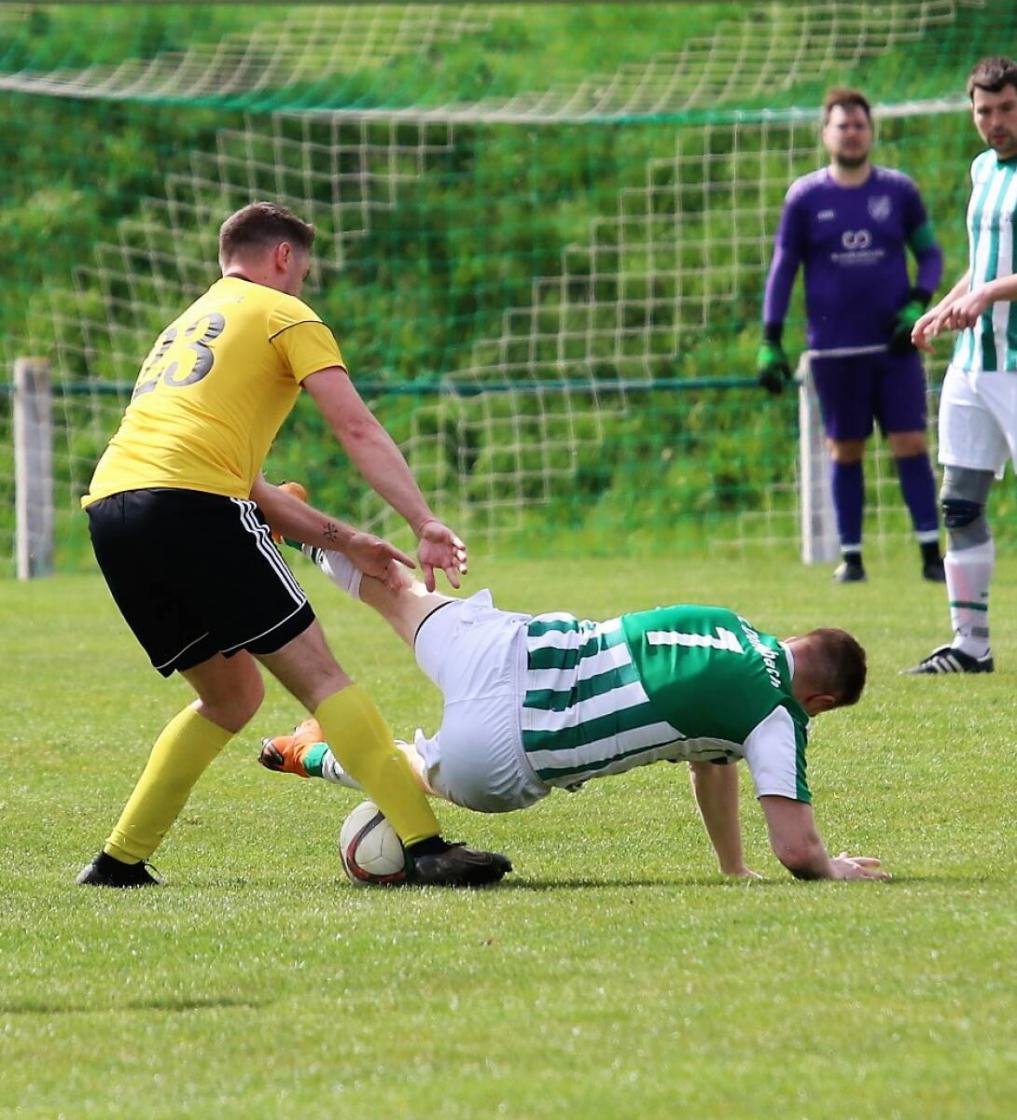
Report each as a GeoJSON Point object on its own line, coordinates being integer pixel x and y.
{"type": "Point", "coordinates": [615, 974]}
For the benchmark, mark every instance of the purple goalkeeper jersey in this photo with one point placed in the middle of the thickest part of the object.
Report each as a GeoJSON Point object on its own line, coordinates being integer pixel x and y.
{"type": "Point", "coordinates": [852, 241]}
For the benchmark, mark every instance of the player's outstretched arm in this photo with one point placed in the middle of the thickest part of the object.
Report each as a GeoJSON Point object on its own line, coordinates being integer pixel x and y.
{"type": "Point", "coordinates": [716, 790]}
{"type": "Point", "coordinates": [374, 453]}
{"type": "Point", "coordinates": [796, 843]}
{"type": "Point", "coordinates": [294, 519]}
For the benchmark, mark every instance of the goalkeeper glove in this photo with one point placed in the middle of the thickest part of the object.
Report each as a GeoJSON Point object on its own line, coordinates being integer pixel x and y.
{"type": "Point", "coordinates": [772, 367]}
{"type": "Point", "coordinates": [905, 319]}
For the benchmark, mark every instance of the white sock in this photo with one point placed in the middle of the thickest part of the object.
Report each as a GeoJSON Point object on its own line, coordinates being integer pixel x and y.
{"type": "Point", "coordinates": [968, 575]}
{"type": "Point", "coordinates": [331, 771]}
{"type": "Point", "coordinates": [338, 567]}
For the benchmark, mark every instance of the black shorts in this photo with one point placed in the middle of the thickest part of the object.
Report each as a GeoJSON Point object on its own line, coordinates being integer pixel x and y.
{"type": "Point", "coordinates": [195, 574]}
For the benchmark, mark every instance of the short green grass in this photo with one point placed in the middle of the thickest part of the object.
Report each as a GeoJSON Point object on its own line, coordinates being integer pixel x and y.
{"type": "Point", "coordinates": [614, 974]}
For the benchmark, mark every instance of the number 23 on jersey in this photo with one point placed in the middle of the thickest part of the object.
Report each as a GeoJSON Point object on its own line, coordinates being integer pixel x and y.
{"type": "Point", "coordinates": [181, 357]}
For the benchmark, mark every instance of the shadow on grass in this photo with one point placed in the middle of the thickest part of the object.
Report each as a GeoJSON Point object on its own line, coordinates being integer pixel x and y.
{"type": "Point", "coordinates": [624, 884]}
{"type": "Point", "coordinates": [42, 1007]}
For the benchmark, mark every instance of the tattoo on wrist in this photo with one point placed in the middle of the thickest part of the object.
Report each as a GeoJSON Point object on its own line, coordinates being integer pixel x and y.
{"type": "Point", "coordinates": [330, 532]}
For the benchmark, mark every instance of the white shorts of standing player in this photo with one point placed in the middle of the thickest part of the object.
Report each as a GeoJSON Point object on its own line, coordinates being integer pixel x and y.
{"type": "Point", "coordinates": [978, 419]}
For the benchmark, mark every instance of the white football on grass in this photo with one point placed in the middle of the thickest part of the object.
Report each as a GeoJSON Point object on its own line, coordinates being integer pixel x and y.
{"type": "Point", "coordinates": [370, 849]}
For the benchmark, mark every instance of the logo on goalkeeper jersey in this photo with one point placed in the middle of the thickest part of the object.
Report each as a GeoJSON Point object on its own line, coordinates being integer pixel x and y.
{"type": "Point", "coordinates": [880, 207]}
{"type": "Point", "coordinates": [856, 239]}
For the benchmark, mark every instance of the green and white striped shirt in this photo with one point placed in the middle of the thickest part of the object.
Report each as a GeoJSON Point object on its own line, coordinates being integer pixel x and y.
{"type": "Point", "coordinates": [991, 344]}
{"type": "Point", "coordinates": [675, 683]}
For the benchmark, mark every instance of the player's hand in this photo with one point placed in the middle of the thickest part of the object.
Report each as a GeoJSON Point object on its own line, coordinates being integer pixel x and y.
{"type": "Point", "coordinates": [905, 320]}
{"type": "Point", "coordinates": [772, 367]}
{"type": "Point", "coordinates": [926, 329]}
{"type": "Point", "coordinates": [438, 547]}
{"type": "Point", "coordinates": [376, 557]}
{"type": "Point", "coordinates": [857, 867]}
{"type": "Point", "coordinates": [966, 310]}
{"type": "Point", "coordinates": [741, 873]}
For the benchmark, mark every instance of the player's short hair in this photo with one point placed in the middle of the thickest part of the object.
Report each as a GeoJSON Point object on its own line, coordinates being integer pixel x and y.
{"type": "Point", "coordinates": [846, 98]}
{"type": "Point", "coordinates": [992, 74]}
{"type": "Point", "coordinates": [262, 225]}
{"type": "Point", "coordinates": [837, 664]}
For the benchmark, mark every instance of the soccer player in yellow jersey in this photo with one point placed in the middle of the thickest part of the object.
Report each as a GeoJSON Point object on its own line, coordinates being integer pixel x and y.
{"type": "Point", "coordinates": [181, 519]}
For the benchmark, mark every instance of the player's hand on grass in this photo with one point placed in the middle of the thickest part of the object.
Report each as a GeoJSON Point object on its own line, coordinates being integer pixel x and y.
{"type": "Point", "coordinates": [857, 867]}
{"type": "Point", "coordinates": [376, 557]}
{"type": "Point", "coordinates": [438, 547]}
{"type": "Point", "coordinates": [772, 367]}
{"type": "Point", "coordinates": [741, 873]}
{"type": "Point", "coordinates": [905, 320]}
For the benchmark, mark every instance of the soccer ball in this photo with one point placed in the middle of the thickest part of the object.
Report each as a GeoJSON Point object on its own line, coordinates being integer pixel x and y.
{"type": "Point", "coordinates": [370, 849]}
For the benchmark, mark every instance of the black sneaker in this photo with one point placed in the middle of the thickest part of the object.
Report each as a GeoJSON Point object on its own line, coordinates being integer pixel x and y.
{"type": "Point", "coordinates": [933, 570]}
{"type": "Point", "coordinates": [849, 570]}
{"type": "Point", "coordinates": [105, 871]}
{"type": "Point", "coordinates": [455, 866]}
{"type": "Point", "coordinates": [946, 659]}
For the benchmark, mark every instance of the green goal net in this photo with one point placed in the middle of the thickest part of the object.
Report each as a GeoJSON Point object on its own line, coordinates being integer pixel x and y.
{"type": "Point", "coordinates": [543, 235]}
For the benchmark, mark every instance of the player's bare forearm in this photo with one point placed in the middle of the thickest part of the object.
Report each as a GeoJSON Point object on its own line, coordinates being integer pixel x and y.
{"type": "Point", "coordinates": [371, 449]}
{"type": "Point", "coordinates": [968, 307]}
{"type": "Point", "coordinates": [716, 790]}
{"type": "Point", "coordinates": [1002, 290]}
{"type": "Point", "coordinates": [291, 518]}
{"type": "Point", "coordinates": [796, 843]}
{"type": "Point", "coordinates": [957, 290]}
{"type": "Point", "coordinates": [794, 839]}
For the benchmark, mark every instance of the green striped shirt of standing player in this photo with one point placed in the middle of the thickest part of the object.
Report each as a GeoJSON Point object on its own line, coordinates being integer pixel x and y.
{"type": "Point", "coordinates": [978, 402]}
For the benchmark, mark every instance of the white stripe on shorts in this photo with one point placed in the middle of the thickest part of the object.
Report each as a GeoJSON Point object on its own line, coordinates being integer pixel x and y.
{"type": "Point", "coordinates": [260, 532]}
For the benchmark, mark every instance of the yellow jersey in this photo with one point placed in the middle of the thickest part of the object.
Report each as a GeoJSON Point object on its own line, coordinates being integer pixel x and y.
{"type": "Point", "coordinates": [214, 391]}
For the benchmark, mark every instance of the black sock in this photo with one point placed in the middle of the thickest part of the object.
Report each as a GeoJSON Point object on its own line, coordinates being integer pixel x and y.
{"type": "Point", "coordinates": [930, 551]}
{"type": "Point", "coordinates": [430, 846]}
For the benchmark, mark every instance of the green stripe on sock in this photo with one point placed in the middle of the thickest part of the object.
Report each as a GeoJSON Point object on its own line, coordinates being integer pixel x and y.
{"type": "Point", "coordinates": [312, 760]}
{"type": "Point", "coordinates": [969, 606]}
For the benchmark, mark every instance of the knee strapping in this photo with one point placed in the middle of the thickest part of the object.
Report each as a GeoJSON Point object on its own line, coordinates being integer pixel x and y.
{"type": "Point", "coordinates": [958, 513]}
{"type": "Point", "coordinates": [965, 523]}
{"type": "Point", "coordinates": [962, 501]}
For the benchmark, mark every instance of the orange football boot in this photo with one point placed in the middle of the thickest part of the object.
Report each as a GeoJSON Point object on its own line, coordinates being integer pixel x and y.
{"type": "Point", "coordinates": [285, 753]}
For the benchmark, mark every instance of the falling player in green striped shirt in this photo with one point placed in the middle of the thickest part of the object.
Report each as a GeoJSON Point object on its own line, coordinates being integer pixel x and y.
{"type": "Point", "coordinates": [978, 406]}
{"type": "Point", "coordinates": [535, 703]}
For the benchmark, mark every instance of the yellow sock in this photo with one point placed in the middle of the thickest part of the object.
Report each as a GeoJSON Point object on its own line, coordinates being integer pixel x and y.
{"type": "Point", "coordinates": [182, 752]}
{"type": "Point", "coordinates": [361, 740]}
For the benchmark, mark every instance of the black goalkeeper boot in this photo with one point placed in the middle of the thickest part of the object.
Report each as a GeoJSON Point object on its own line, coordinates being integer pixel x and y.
{"type": "Point", "coordinates": [850, 569]}
{"type": "Point", "coordinates": [932, 563]}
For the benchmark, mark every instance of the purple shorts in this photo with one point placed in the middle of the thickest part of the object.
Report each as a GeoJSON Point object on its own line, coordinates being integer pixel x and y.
{"type": "Point", "coordinates": [888, 388]}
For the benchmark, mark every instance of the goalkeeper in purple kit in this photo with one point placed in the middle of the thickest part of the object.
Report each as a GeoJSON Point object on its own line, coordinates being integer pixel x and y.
{"type": "Point", "coordinates": [850, 225]}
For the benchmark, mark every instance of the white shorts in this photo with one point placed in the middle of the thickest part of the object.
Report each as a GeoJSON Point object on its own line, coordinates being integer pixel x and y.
{"type": "Point", "coordinates": [476, 655]}
{"type": "Point", "coordinates": [978, 420]}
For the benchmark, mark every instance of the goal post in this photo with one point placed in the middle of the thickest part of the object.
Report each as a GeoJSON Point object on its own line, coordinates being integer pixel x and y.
{"type": "Point", "coordinates": [33, 467]}
{"type": "Point", "coordinates": [816, 517]}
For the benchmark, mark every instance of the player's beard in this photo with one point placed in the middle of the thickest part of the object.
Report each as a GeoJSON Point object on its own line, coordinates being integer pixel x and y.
{"type": "Point", "coordinates": [851, 163]}
{"type": "Point", "coordinates": [1005, 148]}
